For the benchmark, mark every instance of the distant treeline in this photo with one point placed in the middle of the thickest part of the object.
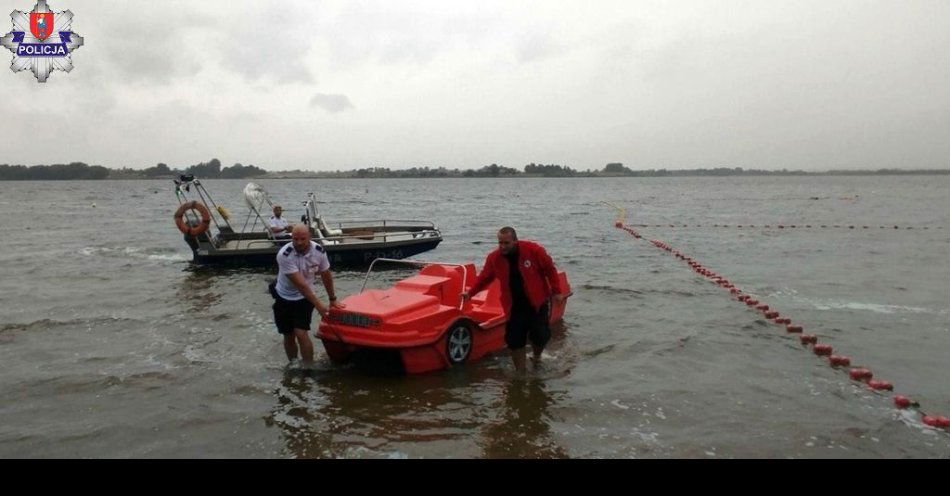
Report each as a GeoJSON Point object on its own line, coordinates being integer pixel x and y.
{"type": "Point", "coordinates": [79, 170]}
{"type": "Point", "coordinates": [213, 170]}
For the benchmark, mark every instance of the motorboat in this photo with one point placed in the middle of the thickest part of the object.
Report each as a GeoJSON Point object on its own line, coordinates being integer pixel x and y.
{"type": "Point", "coordinates": [208, 230]}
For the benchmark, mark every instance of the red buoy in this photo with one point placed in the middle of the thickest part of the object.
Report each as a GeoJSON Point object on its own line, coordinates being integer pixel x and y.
{"type": "Point", "coordinates": [881, 385]}
{"type": "Point", "coordinates": [902, 401]}
{"type": "Point", "coordinates": [943, 421]}
{"type": "Point", "coordinates": [839, 360]}
{"type": "Point", "coordinates": [931, 421]}
{"type": "Point", "coordinates": [771, 314]}
{"type": "Point", "coordinates": [762, 307]}
{"type": "Point", "coordinates": [793, 328]}
{"type": "Point", "coordinates": [808, 338]}
{"type": "Point", "coordinates": [751, 302]}
{"type": "Point", "coordinates": [823, 349]}
{"type": "Point", "coordinates": [860, 374]}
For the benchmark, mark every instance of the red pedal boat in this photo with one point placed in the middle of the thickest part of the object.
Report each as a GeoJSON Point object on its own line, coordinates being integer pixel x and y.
{"type": "Point", "coordinates": [423, 318]}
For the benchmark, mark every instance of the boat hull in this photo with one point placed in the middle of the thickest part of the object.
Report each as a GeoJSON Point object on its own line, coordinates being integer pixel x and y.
{"type": "Point", "coordinates": [338, 255]}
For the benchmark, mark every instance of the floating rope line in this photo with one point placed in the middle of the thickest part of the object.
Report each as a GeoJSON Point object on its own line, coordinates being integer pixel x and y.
{"type": "Point", "coordinates": [776, 226]}
{"type": "Point", "coordinates": [860, 374]}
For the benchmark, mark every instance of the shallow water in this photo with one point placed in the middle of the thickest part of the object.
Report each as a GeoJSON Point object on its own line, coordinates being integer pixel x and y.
{"type": "Point", "coordinates": [112, 345]}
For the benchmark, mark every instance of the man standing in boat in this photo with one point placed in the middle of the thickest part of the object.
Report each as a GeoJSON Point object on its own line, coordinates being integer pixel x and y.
{"type": "Point", "coordinates": [279, 227]}
{"type": "Point", "coordinates": [528, 281]}
{"type": "Point", "coordinates": [294, 299]}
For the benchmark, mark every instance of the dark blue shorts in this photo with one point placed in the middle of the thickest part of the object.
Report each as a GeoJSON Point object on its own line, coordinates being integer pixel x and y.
{"type": "Point", "coordinates": [524, 324]}
{"type": "Point", "coordinates": [292, 314]}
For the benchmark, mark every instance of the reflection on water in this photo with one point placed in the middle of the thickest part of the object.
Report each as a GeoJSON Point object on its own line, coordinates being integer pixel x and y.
{"type": "Point", "coordinates": [522, 430]}
{"type": "Point", "coordinates": [332, 413]}
{"type": "Point", "coordinates": [345, 413]}
{"type": "Point", "coordinates": [295, 417]}
{"type": "Point", "coordinates": [369, 408]}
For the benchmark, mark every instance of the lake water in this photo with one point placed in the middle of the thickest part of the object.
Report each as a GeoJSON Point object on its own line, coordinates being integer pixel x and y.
{"type": "Point", "coordinates": [113, 345]}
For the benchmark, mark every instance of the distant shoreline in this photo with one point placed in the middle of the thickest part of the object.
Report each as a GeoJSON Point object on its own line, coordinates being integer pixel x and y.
{"type": "Point", "coordinates": [519, 176]}
{"type": "Point", "coordinates": [213, 170]}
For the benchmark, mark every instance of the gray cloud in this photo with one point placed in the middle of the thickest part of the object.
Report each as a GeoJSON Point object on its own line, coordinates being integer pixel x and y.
{"type": "Point", "coordinates": [151, 43]}
{"type": "Point", "coordinates": [405, 33]}
{"type": "Point", "coordinates": [331, 103]}
{"type": "Point", "coordinates": [270, 42]}
{"type": "Point", "coordinates": [805, 84]}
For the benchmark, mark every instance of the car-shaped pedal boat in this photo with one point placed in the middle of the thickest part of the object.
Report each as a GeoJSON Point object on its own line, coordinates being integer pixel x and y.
{"type": "Point", "coordinates": [423, 318]}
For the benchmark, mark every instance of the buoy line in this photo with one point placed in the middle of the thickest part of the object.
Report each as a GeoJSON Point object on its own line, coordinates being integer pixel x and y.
{"type": "Point", "coordinates": [860, 374]}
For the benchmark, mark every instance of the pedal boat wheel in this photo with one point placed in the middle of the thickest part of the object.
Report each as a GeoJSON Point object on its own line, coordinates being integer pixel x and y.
{"type": "Point", "coordinates": [458, 343]}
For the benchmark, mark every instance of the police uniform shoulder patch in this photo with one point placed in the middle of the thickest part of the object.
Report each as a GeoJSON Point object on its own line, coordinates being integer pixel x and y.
{"type": "Point", "coordinates": [288, 249]}
{"type": "Point", "coordinates": [320, 248]}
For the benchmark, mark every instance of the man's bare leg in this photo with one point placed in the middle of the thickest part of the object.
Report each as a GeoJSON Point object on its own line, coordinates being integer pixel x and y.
{"type": "Point", "coordinates": [306, 346]}
{"type": "Point", "coordinates": [290, 346]}
{"type": "Point", "coordinates": [536, 358]}
{"type": "Point", "coordinates": [518, 356]}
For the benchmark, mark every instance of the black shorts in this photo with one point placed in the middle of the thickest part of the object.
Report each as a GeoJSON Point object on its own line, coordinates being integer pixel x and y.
{"type": "Point", "coordinates": [292, 314]}
{"type": "Point", "coordinates": [524, 324]}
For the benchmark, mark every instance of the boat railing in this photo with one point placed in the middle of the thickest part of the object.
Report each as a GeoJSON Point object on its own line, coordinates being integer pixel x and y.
{"type": "Point", "coordinates": [349, 224]}
{"type": "Point", "coordinates": [266, 242]}
{"type": "Point", "coordinates": [410, 261]}
{"type": "Point", "coordinates": [427, 233]}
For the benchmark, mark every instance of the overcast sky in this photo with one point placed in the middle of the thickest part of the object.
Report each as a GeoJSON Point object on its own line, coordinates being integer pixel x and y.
{"type": "Point", "coordinates": [327, 85]}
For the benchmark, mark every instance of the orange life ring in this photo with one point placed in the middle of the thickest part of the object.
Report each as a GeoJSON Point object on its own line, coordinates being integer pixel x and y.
{"type": "Point", "coordinates": [192, 230]}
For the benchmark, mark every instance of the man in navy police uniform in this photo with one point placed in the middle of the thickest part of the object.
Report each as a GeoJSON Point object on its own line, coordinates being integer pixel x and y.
{"type": "Point", "coordinates": [299, 262]}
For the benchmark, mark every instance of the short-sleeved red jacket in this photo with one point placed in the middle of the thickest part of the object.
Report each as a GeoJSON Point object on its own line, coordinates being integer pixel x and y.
{"type": "Point", "coordinates": [537, 271]}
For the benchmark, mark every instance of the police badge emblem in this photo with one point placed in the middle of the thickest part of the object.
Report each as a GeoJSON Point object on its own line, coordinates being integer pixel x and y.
{"type": "Point", "coordinates": [42, 41]}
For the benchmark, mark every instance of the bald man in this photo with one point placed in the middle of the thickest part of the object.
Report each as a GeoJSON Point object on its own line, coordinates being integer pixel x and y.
{"type": "Point", "coordinates": [299, 262]}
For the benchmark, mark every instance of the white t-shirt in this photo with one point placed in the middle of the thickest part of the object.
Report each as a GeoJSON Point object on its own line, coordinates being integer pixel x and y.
{"type": "Point", "coordinates": [278, 222]}
{"type": "Point", "coordinates": [308, 264]}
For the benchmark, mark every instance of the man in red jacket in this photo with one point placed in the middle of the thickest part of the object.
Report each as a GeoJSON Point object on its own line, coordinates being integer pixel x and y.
{"type": "Point", "coordinates": [525, 292]}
